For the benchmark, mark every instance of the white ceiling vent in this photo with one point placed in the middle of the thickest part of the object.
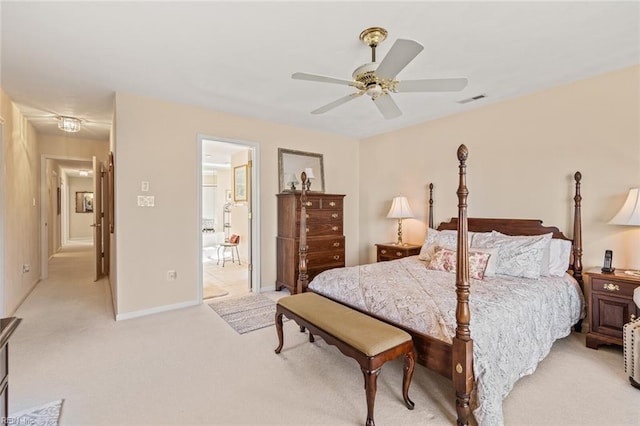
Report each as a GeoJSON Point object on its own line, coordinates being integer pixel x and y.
{"type": "Point", "coordinates": [472, 99]}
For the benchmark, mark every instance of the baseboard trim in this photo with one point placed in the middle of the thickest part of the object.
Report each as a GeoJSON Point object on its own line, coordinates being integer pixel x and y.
{"type": "Point", "coordinates": [157, 310]}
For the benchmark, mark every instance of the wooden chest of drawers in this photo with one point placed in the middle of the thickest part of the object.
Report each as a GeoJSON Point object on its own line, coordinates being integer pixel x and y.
{"type": "Point", "coordinates": [611, 306]}
{"type": "Point", "coordinates": [325, 236]}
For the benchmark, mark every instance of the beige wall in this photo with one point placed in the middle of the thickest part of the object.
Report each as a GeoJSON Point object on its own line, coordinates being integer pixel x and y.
{"type": "Point", "coordinates": [21, 206]}
{"type": "Point", "coordinates": [157, 142]}
{"type": "Point", "coordinates": [522, 156]}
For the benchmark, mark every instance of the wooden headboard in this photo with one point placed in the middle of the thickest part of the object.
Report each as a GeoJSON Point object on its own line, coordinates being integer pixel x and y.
{"type": "Point", "coordinates": [533, 227]}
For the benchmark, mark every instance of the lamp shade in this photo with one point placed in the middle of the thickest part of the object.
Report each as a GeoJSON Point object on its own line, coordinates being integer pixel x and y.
{"type": "Point", "coordinates": [629, 214]}
{"type": "Point", "coordinates": [293, 179]}
{"type": "Point", "coordinates": [309, 172]}
{"type": "Point", "coordinates": [400, 208]}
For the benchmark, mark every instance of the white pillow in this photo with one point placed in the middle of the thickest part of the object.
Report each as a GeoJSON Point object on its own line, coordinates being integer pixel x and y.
{"type": "Point", "coordinates": [559, 257]}
{"type": "Point", "coordinates": [492, 265]}
{"type": "Point", "coordinates": [445, 239]}
{"type": "Point", "coordinates": [518, 256]}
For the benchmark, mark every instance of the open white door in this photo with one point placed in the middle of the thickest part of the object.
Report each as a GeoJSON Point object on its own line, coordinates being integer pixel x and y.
{"type": "Point", "coordinates": [97, 219]}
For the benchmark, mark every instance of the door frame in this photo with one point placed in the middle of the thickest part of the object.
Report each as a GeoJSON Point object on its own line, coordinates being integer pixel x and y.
{"type": "Point", "coordinates": [44, 209]}
{"type": "Point", "coordinates": [254, 212]}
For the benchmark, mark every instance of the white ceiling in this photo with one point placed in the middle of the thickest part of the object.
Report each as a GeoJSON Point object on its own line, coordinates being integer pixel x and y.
{"type": "Point", "coordinates": [69, 58]}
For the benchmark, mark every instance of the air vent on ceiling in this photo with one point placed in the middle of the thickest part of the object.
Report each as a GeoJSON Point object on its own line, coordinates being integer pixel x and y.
{"type": "Point", "coordinates": [472, 99]}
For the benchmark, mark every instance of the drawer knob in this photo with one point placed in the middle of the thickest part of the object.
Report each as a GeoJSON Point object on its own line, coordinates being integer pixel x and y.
{"type": "Point", "coordinates": [307, 229]}
{"type": "Point", "coordinates": [332, 203]}
{"type": "Point", "coordinates": [334, 228]}
{"type": "Point", "coordinates": [336, 244]}
{"type": "Point", "coordinates": [398, 253]}
{"type": "Point", "coordinates": [383, 251]}
{"type": "Point", "coordinates": [307, 215]}
{"type": "Point", "coordinates": [611, 287]}
{"type": "Point", "coordinates": [335, 215]}
{"type": "Point", "coordinates": [336, 257]}
{"type": "Point", "coordinates": [308, 204]}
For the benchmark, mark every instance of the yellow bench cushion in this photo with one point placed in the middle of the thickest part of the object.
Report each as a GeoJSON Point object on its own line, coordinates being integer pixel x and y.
{"type": "Point", "coordinates": [362, 332]}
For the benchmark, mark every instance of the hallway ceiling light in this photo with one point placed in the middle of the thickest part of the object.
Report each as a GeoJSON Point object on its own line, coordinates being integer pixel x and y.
{"type": "Point", "coordinates": [69, 124]}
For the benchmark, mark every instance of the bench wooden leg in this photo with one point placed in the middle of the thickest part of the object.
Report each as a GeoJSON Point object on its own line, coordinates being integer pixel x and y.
{"type": "Point", "coordinates": [409, 363]}
{"type": "Point", "coordinates": [370, 388]}
{"type": "Point", "coordinates": [279, 331]}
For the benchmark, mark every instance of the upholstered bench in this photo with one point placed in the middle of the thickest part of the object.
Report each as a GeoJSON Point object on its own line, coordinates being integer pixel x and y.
{"type": "Point", "coordinates": [367, 340]}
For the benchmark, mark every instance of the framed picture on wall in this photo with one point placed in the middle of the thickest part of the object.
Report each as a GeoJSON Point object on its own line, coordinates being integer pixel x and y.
{"type": "Point", "coordinates": [240, 183]}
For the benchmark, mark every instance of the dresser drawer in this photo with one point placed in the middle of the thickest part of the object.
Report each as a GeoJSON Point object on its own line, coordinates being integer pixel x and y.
{"type": "Point", "coordinates": [613, 287]}
{"type": "Point", "coordinates": [323, 244]}
{"type": "Point", "coordinates": [324, 229]}
{"type": "Point", "coordinates": [325, 258]}
{"type": "Point", "coordinates": [327, 216]}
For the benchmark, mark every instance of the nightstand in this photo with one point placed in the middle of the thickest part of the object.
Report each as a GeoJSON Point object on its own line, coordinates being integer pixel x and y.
{"type": "Point", "coordinates": [392, 251]}
{"type": "Point", "coordinates": [611, 306]}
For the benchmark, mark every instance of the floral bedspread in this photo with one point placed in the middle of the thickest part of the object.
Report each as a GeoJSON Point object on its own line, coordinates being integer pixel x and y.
{"type": "Point", "coordinates": [514, 321]}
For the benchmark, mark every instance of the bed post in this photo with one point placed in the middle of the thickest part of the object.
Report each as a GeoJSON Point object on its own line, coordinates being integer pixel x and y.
{"type": "Point", "coordinates": [462, 350]}
{"type": "Point", "coordinates": [577, 232]}
{"type": "Point", "coordinates": [577, 240]}
{"type": "Point", "coordinates": [431, 205]}
{"type": "Point", "coordinates": [303, 277]}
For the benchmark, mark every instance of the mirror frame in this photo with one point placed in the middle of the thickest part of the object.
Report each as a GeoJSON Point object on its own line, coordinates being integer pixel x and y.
{"type": "Point", "coordinates": [294, 162]}
{"type": "Point", "coordinates": [84, 202]}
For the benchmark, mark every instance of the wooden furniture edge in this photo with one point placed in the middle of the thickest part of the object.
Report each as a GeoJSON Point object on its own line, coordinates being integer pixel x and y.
{"type": "Point", "coordinates": [370, 365]}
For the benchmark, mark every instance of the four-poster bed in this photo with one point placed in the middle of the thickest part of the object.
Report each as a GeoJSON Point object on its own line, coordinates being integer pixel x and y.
{"type": "Point", "coordinates": [450, 350]}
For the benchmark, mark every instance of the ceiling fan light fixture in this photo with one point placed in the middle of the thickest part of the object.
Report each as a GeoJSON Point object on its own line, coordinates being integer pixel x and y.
{"type": "Point", "coordinates": [69, 124]}
{"type": "Point", "coordinates": [374, 90]}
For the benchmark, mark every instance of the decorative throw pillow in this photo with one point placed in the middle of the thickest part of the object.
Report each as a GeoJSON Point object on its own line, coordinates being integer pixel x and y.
{"type": "Point", "coordinates": [518, 256]}
{"type": "Point", "coordinates": [445, 260]}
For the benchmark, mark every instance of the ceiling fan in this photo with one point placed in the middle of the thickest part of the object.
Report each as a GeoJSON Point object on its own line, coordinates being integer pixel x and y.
{"type": "Point", "coordinates": [378, 80]}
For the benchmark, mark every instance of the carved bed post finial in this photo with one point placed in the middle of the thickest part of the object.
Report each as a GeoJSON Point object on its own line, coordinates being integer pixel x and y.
{"type": "Point", "coordinates": [577, 232]}
{"type": "Point", "coordinates": [462, 356]}
{"type": "Point", "coordinates": [303, 277]}
{"type": "Point", "coordinates": [431, 205]}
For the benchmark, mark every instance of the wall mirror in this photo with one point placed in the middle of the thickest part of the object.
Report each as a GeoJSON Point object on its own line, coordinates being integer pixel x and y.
{"type": "Point", "coordinates": [84, 202]}
{"type": "Point", "coordinates": [292, 163]}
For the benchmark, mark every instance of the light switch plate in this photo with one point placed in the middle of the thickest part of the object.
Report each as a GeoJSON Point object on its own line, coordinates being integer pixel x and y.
{"type": "Point", "coordinates": [145, 186]}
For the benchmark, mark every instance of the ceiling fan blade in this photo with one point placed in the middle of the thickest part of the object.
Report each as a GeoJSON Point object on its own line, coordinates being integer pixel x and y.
{"type": "Point", "coordinates": [432, 85]}
{"type": "Point", "coordinates": [402, 52]}
{"type": "Point", "coordinates": [336, 103]}
{"type": "Point", "coordinates": [321, 78]}
{"type": "Point", "coordinates": [387, 106]}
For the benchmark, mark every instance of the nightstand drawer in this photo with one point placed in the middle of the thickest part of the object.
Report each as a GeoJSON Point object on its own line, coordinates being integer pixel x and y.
{"type": "Point", "coordinates": [391, 251]}
{"type": "Point", "coordinates": [612, 286]}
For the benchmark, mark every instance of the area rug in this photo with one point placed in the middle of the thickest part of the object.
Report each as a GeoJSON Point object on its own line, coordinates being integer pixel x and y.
{"type": "Point", "coordinates": [44, 415]}
{"type": "Point", "coordinates": [209, 291]}
{"type": "Point", "coordinates": [246, 313]}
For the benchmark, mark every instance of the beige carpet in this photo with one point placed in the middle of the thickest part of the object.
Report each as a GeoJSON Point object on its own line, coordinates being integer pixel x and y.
{"type": "Point", "coordinates": [188, 367]}
{"type": "Point", "coordinates": [210, 291]}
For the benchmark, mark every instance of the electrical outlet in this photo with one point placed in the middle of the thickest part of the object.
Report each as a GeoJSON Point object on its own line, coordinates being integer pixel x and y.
{"type": "Point", "coordinates": [26, 268]}
{"type": "Point", "coordinates": [171, 275]}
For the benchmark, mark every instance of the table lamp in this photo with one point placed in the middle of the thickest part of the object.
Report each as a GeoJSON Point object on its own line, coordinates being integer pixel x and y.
{"type": "Point", "coordinates": [309, 173]}
{"type": "Point", "coordinates": [629, 215]}
{"type": "Point", "coordinates": [292, 181]}
{"type": "Point", "coordinates": [400, 210]}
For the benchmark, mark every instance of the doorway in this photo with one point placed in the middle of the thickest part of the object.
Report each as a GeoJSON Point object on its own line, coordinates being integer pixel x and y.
{"type": "Point", "coordinates": [69, 208]}
{"type": "Point", "coordinates": [227, 190]}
